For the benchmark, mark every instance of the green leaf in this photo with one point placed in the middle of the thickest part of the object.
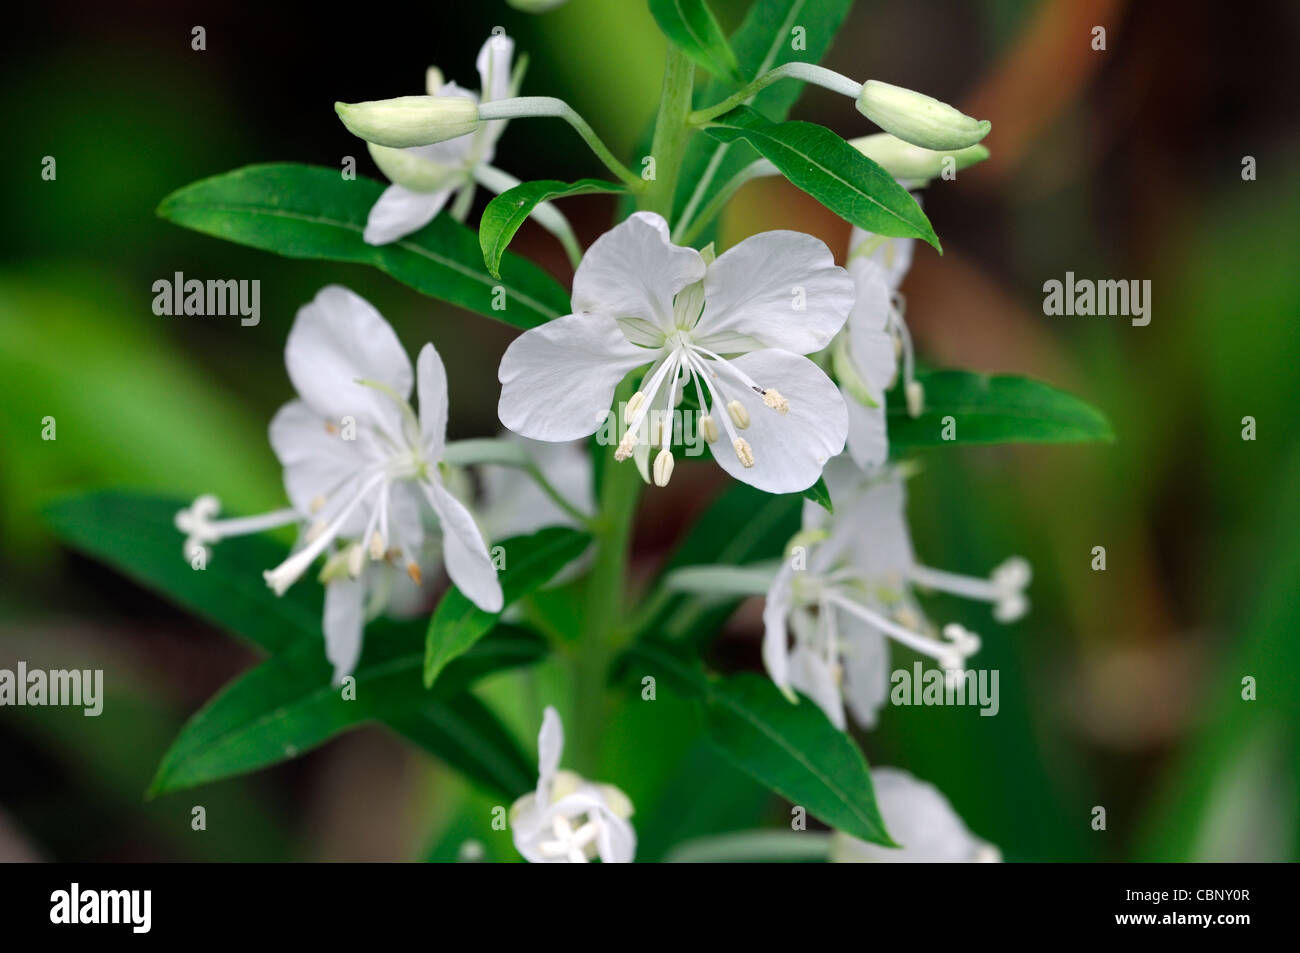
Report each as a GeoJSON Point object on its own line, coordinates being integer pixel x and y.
{"type": "Point", "coordinates": [994, 409]}
{"type": "Point", "coordinates": [820, 494]}
{"type": "Point", "coordinates": [831, 171]}
{"type": "Point", "coordinates": [304, 211]}
{"type": "Point", "coordinates": [467, 735]}
{"type": "Point", "coordinates": [795, 751]}
{"type": "Point", "coordinates": [791, 748]}
{"type": "Point", "coordinates": [134, 534]}
{"type": "Point", "coordinates": [762, 43]}
{"type": "Point", "coordinates": [691, 26]}
{"type": "Point", "coordinates": [531, 562]}
{"type": "Point", "coordinates": [287, 705]}
{"type": "Point", "coordinates": [505, 213]}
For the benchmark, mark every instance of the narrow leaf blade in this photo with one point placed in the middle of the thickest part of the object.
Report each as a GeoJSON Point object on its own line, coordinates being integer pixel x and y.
{"type": "Point", "coordinates": [989, 409]}
{"type": "Point", "coordinates": [831, 171]}
{"type": "Point", "coordinates": [302, 211]}
{"type": "Point", "coordinates": [531, 562]}
{"type": "Point", "coordinates": [693, 29]}
{"type": "Point", "coordinates": [505, 213]}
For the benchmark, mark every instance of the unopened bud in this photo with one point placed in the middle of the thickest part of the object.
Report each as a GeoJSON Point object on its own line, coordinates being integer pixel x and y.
{"type": "Point", "coordinates": [919, 119]}
{"type": "Point", "coordinates": [902, 160]}
{"type": "Point", "coordinates": [413, 171]}
{"type": "Point", "coordinates": [410, 120]}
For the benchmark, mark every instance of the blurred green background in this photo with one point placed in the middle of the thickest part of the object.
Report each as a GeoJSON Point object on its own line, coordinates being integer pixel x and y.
{"type": "Point", "coordinates": [1121, 689]}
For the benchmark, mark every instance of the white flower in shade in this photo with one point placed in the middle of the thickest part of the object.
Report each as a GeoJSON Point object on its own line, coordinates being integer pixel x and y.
{"type": "Point", "coordinates": [920, 820]}
{"type": "Point", "coordinates": [826, 623]}
{"type": "Point", "coordinates": [426, 176]}
{"type": "Point", "coordinates": [361, 470]}
{"type": "Point", "coordinates": [569, 819]}
{"type": "Point", "coordinates": [514, 504]}
{"type": "Point", "coordinates": [867, 354]}
{"type": "Point", "coordinates": [734, 328]}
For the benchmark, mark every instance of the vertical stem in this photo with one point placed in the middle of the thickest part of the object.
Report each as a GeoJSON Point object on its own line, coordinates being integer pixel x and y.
{"type": "Point", "coordinates": [671, 131]}
{"type": "Point", "coordinates": [620, 484]}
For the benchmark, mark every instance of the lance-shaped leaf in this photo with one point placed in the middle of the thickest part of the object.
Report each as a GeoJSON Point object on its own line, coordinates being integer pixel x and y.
{"type": "Point", "coordinates": [831, 171]}
{"type": "Point", "coordinates": [820, 494]}
{"type": "Point", "coordinates": [766, 39]}
{"type": "Point", "coordinates": [791, 748]}
{"type": "Point", "coordinates": [692, 28]}
{"type": "Point", "coordinates": [505, 213]}
{"type": "Point", "coordinates": [310, 212]}
{"type": "Point", "coordinates": [994, 409]}
{"type": "Point", "coordinates": [287, 705]}
{"type": "Point", "coordinates": [134, 533]}
{"type": "Point", "coordinates": [531, 562]}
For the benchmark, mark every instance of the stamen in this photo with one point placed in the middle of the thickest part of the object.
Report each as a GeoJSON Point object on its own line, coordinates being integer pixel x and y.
{"type": "Point", "coordinates": [708, 427]}
{"type": "Point", "coordinates": [317, 503]}
{"type": "Point", "coordinates": [632, 406]}
{"type": "Point", "coordinates": [772, 398]}
{"type": "Point", "coordinates": [413, 570]}
{"type": "Point", "coordinates": [743, 452]}
{"type": "Point", "coordinates": [739, 415]}
{"type": "Point", "coordinates": [915, 392]}
{"type": "Point", "coordinates": [663, 467]}
{"type": "Point", "coordinates": [945, 654]}
{"type": "Point", "coordinates": [356, 559]}
{"type": "Point", "coordinates": [376, 546]}
{"type": "Point", "coordinates": [288, 572]}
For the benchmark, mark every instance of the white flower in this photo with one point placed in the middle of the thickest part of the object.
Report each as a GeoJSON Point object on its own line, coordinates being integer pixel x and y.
{"type": "Point", "coordinates": [569, 819]}
{"type": "Point", "coordinates": [426, 176]}
{"type": "Point", "coordinates": [867, 354]}
{"type": "Point", "coordinates": [920, 820]}
{"type": "Point", "coordinates": [825, 624]}
{"type": "Point", "coordinates": [736, 327]}
{"type": "Point", "coordinates": [361, 469]}
{"type": "Point", "coordinates": [514, 504]}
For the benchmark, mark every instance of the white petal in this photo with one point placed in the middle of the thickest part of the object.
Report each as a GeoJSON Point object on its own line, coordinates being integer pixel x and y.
{"type": "Point", "coordinates": [871, 516]}
{"type": "Point", "coordinates": [865, 657]}
{"type": "Point", "coordinates": [431, 388]}
{"type": "Point", "coordinates": [920, 820]}
{"type": "Point", "coordinates": [336, 340]}
{"type": "Point", "coordinates": [343, 624]}
{"type": "Point", "coordinates": [557, 380]}
{"type": "Point", "coordinates": [513, 503]}
{"type": "Point", "coordinates": [755, 289]}
{"type": "Point", "coordinates": [493, 64]}
{"type": "Point", "coordinates": [789, 449]}
{"type": "Point", "coordinates": [868, 440]}
{"type": "Point", "coordinates": [550, 745]}
{"type": "Point", "coordinates": [399, 212]}
{"type": "Point", "coordinates": [633, 271]}
{"type": "Point", "coordinates": [776, 639]}
{"type": "Point", "coordinates": [873, 299]}
{"type": "Point", "coordinates": [894, 255]}
{"type": "Point", "coordinates": [463, 551]}
{"type": "Point", "coordinates": [319, 466]}
{"type": "Point", "coordinates": [811, 675]}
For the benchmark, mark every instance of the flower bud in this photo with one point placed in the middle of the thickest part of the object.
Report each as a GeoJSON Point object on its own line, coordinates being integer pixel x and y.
{"type": "Point", "coordinates": [919, 119]}
{"type": "Point", "coordinates": [910, 163]}
{"type": "Point", "coordinates": [413, 171]}
{"type": "Point", "coordinates": [410, 120]}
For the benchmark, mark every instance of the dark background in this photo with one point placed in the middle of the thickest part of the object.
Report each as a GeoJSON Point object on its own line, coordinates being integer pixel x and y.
{"type": "Point", "coordinates": [1121, 689]}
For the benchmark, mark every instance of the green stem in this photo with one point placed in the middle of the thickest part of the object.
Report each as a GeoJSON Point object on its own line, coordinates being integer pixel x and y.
{"type": "Point", "coordinates": [671, 132]}
{"type": "Point", "coordinates": [693, 227]}
{"type": "Point", "coordinates": [531, 107]}
{"type": "Point", "coordinates": [620, 485]}
{"type": "Point", "coordinates": [805, 72]}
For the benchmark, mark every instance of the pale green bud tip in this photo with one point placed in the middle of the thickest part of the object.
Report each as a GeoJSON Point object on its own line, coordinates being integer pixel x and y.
{"type": "Point", "coordinates": [919, 119]}
{"type": "Point", "coordinates": [410, 120]}
{"type": "Point", "coordinates": [902, 160]}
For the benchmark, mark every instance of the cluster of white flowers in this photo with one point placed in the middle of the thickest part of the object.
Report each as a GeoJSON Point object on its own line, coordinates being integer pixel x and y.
{"type": "Point", "coordinates": [745, 335]}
